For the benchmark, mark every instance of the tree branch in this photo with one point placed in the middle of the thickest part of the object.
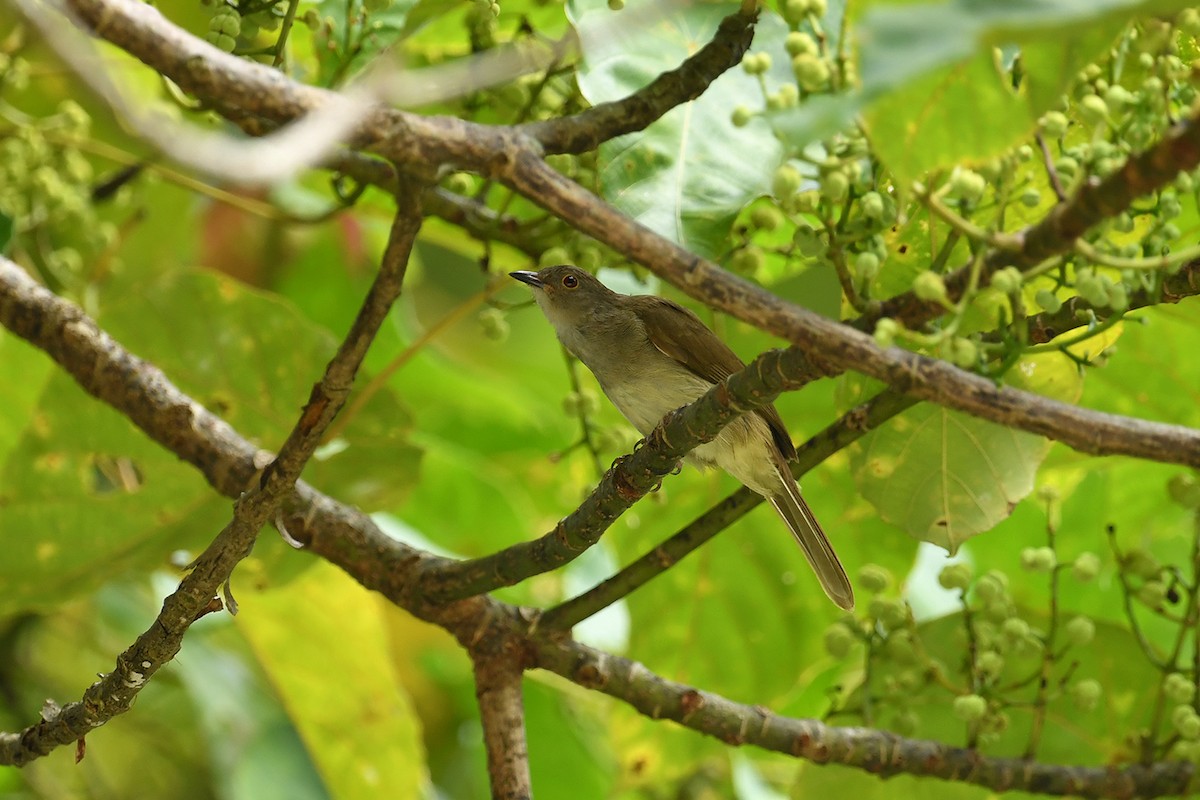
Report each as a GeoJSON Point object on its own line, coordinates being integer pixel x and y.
{"type": "Point", "coordinates": [850, 426]}
{"type": "Point", "coordinates": [876, 751]}
{"type": "Point", "coordinates": [114, 693]}
{"type": "Point", "coordinates": [502, 712]}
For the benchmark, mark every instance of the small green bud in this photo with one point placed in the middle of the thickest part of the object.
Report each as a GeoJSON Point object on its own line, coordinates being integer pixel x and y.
{"type": "Point", "coordinates": [892, 613]}
{"type": "Point", "coordinates": [1153, 594]}
{"type": "Point", "coordinates": [741, 117]}
{"type": "Point", "coordinates": [1142, 564]}
{"type": "Point", "coordinates": [1066, 166]}
{"type": "Point", "coordinates": [1048, 300]}
{"type": "Point", "coordinates": [1086, 567]}
{"type": "Point", "coordinates": [866, 265]}
{"type": "Point", "coordinates": [967, 185]}
{"type": "Point", "coordinates": [794, 11]}
{"type": "Point", "coordinates": [1054, 124]}
{"type": "Point", "coordinates": [616, 5]}
{"type": "Point", "coordinates": [989, 664]}
{"type": "Point", "coordinates": [1008, 280]}
{"type": "Point", "coordinates": [494, 324]}
{"type": "Point", "coordinates": [872, 205]}
{"type": "Point", "coordinates": [838, 640]}
{"type": "Point", "coordinates": [955, 576]}
{"type": "Point", "coordinates": [906, 722]}
{"type": "Point", "coordinates": [1016, 629]}
{"type": "Point", "coordinates": [900, 647]}
{"type": "Point", "coordinates": [786, 182]}
{"type": "Point", "coordinates": [1031, 197]}
{"type": "Point", "coordinates": [766, 218]}
{"type": "Point", "coordinates": [970, 707]}
{"type": "Point", "coordinates": [885, 331]}
{"type": "Point", "coordinates": [799, 43]}
{"type": "Point", "coordinates": [1080, 630]}
{"type": "Point", "coordinates": [812, 72]}
{"type": "Point", "coordinates": [1186, 721]}
{"type": "Point", "coordinates": [1179, 688]}
{"type": "Point", "coordinates": [990, 588]}
{"type": "Point", "coordinates": [756, 63]}
{"type": "Point", "coordinates": [874, 578]}
{"type": "Point", "coordinates": [1093, 109]}
{"type": "Point", "coordinates": [835, 185]}
{"type": "Point", "coordinates": [1038, 559]}
{"type": "Point", "coordinates": [929, 286]}
{"type": "Point", "coordinates": [1184, 489]}
{"type": "Point", "coordinates": [554, 256]}
{"type": "Point", "coordinates": [964, 352]}
{"type": "Point", "coordinates": [748, 260]}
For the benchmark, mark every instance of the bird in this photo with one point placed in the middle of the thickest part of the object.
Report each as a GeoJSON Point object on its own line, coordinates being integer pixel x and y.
{"type": "Point", "coordinates": [652, 356]}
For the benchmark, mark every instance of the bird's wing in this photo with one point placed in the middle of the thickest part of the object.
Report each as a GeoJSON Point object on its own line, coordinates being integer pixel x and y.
{"type": "Point", "coordinates": [679, 334]}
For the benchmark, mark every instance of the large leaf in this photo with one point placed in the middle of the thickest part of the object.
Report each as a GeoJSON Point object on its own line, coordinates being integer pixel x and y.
{"type": "Point", "coordinates": [944, 476]}
{"type": "Point", "coordinates": [929, 80]}
{"type": "Point", "coordinates": [686, 176]}
{"type": "Point", "coordinates": [322, 641]}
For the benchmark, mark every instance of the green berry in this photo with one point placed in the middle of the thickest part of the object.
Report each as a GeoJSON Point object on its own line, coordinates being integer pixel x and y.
{"type": "Point", "coordinates": [494, 324]}
{"type": "Point", "coordinates": [1153, 594]}
{"type": "Point", "coordinates": [1086, 694]}
{"type": "Point", "coordinates": [1093, 109]}
{"type": "Point", "coordinates": [748, 260]}
{"type": "Point", "coordinates": [1142, 564]}
{"type": "Point", "coordinates": [786, 182]}
{"type": "Point", "coordinates": [838, 640]}
{"type": "Point", "coordinates": [554, 256]}
{"type": "Point", "coordinates": [1031, 198]}
{"type": "Point", "coordinates": [765, 218]}
{"type": "Point", "coordinates": [989, 664]}
{"type": "Point", "coordinates": [885, 332]}
{"type": "Point", "coordinates": [1008, 280]}
{"type": "Point", "coordinates": [835, 185]}
{"type": "Point", "coordinates": [459, 183]}
{"type": "Point", "coordinates": [1086, 567]}
{"type": "Point", "coordinates": [756, 63]}
{"type": "Point", "coordinates": [812, 72]}
{"type": "Point", "coordinates": [955, 576]}
{"type": "Point", "coordinates": [1080, 630]}
{"type": "Point", "coordinates": [872, 205]}
{"type": "Point", "coordinates": [906, 722]}
{"type": "Point", "coordinates": [874, 578]}
{"type": "Point", "coordinates": [1184, 489]}
{"type": "Point", "coordinates": [967, 185]}
{"type": "Point", "coordinates": [964, 353]}
{"type": "Point", "coordinates": [1048, 300]}
{"type": "Point", "coordinates": [970, 707]}
{"type": "Point", "coordinates": [866, 265]}
{"type": "Point", "coordinates": [616, 5]}
{"type": "Point", "coordinates": [741, 117]}
{"type": "Point", "coordinates": [799, 43]}
{"type": "Point", "coordinates": [794, 11]}
{"type": "Point", "coordinates": [1186, 721]}
{"type": "Point", "coordinates": [929, 286]}
{"type": "Point", "coordinates": [1179, 688]}
{"type": "Point", "coordinates": [1038, 559]}
{"type": "Point", "coordinates": [1054, 124]}
{"type": "Point", "coordinates": [892, 613]}
{"type": "Point", "coordinates": [1016, 629]}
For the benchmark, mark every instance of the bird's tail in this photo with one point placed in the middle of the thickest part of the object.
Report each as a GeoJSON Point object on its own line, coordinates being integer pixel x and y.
{"type": "Point", "coordinates": [804, 526]}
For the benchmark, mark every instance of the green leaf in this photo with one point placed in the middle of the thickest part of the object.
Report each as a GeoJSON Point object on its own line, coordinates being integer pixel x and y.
{"type": "Point", "coordinates": [344, 699]}
{"type": "Point", "coordinates": [934, 119]}
{"type": "Point", "coordinates": [928, 77]}
{"type": "Point", "coordinates": [944, 476]}
{"type": "Point", "coordinates": [6, 231]}
{"type": "Point", "coordinates": [676, 176]}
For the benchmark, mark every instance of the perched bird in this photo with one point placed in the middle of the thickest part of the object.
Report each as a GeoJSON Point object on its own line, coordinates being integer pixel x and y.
{"type": "Point", "coordinates": [652, 356]}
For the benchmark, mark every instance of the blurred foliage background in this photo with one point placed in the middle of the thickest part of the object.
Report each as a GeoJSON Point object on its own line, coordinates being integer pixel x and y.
{"type": "Point", "coordinates": [473, 439]}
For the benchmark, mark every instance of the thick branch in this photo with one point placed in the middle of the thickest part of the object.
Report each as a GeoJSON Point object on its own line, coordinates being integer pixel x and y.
{"type": "Point", "coordinates": [876, 751]}
{"type": "Point", "coordinates": [502, 713]}
{"type": "Point", "coordinates": [587, 130]}
{"type": "Point", "coordinates": [114, 693]}
{"type": "Point", "coordinates": [628, 480]}
{"type": "Point", "coordinates": [849, 427]}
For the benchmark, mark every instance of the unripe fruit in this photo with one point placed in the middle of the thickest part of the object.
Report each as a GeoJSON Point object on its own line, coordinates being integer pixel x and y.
{"type": "Point", "coordinates": [1008, 280]}
{"type": "Point", "coordinates": [866, 265]}
{"type": "Point", "coordinates": [741, 117]}
{"type": "Point", "coordinates": [885, 332]}
{"type": "Point", "coordinates": [799, 42]}
{"type": "Point", "coordinates": [1038, 559]}
{"type": "Point", "coordinates": [1016, 629]}
{"type": "Point", "coordinates": [1179, 688]}
{"type": "Point", "coordinates": [874, 578]}
{"type": "Point", "coordinates": [955, 576]}
{"type": "Point", "coordinates": [872, 205]}
{"type": "Point", "coordinates": [838, 640]}
{"type": "Point", "coordinates": [1080, 630]}
{"type": "Point", "coordinates": [835, 185]}
{"type": "Point", "coordinates": [1054, 124]}
{"type": "Point", "coordinates": [1086, 694]}
{"type": "Point", "coordinates": [811, 71]}
{"type": "Point", "coordinates": [967, 184]}
{"type": "Point", "coordinates": [929, 286]}
{"type": "Point", "coordinates": [765, 218]}
{"type": "Point", "coordinates": [1093, 109]}
{"type": "Point", "coordinates": [786, 182]}
{"type": "Point", "coordinates": [964, 353]}
{"type": "Point", "coordinates": [970, 707]}
{"type": "Point", "coordinates": [1086, 567]}
{"type": "Point", "coordinates": [1048, 300]}
{"type": "Point", "coordinates": [989, 664]}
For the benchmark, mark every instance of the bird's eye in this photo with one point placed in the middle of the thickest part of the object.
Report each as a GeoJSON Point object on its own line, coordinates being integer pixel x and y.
{"type": "Point", "coordinates": [570, 281]}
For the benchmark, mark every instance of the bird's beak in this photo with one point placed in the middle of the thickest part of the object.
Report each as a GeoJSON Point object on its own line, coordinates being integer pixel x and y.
{"type": "Point", "coordinates": [528, 277]}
